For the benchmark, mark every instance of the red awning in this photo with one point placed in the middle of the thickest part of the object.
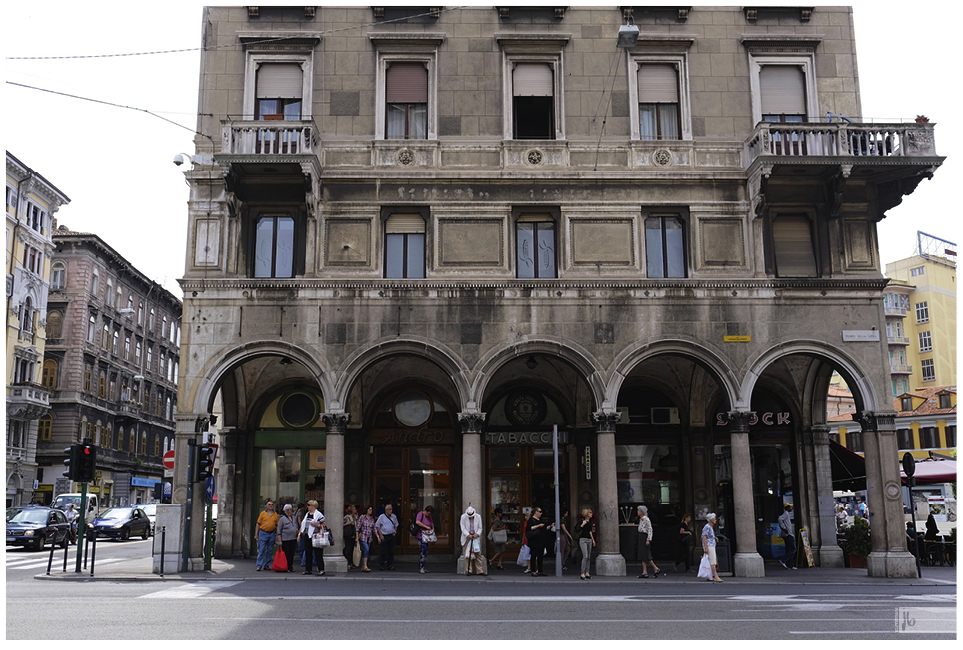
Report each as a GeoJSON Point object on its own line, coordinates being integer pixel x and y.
{"type": "Point", "coordinates": [932, 470]}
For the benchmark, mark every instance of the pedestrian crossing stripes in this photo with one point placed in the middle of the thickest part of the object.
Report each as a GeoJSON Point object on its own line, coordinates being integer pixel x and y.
{"type": "Point", "coordinates": [190, 590]}
{"type": "Point", "coordinates": [58, 563]}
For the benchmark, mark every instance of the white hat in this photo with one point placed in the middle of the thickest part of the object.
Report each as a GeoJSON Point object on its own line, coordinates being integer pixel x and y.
{"type": "Point", "coordinates": [470, 511]}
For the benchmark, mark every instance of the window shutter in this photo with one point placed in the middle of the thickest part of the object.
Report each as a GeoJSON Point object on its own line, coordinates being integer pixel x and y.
{"type": "Point", "coordinates": [404, 223]}
{"type": "Point", "coordinates": [406, 83]}
{"type": "Point", "coordinates": [533, 80]}
{"type": "Point", "coordinates": [658, 82]}
{"type": "Point", "coordinates": [793, 247]}
{"type": "Point", "coordinates": [279, 80]}
{"type": "Point", "coordinates": [783, 90]}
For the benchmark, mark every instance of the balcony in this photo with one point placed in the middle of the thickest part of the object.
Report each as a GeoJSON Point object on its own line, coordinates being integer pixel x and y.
{"type": "Point", "coordinates": [893, 339]}
{"type": "Point", "coordinates": [894, 310]}
{"type": "Point", "coordinates": [900, 369]}
{"type": "Point", "coordinates": [28, 401]}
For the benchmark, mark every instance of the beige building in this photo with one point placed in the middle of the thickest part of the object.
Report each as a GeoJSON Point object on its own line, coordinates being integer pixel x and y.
{"type": "Point", "coordinates": [419, 239]}
{"type": "Point", "coordinates": [31, 203]}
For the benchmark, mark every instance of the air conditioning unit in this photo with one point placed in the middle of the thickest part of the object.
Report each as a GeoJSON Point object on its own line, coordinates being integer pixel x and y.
{"type": "Point", "coordinates": [665, 415]}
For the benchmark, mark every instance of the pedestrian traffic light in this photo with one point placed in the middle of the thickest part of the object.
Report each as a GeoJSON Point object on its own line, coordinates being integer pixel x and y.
{"type": "Point", "coordinates": [86, 463]}
{"type": "Point", "coordinates": [72, 462]}
{"type": "Point", "coordinates": [204, 462]}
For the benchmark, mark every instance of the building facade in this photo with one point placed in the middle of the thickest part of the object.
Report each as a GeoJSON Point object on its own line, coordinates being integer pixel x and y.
{"type": "Point", "coordinates": [420, 239]}
{"type": "Point", "coordinates": [31, 202]}
{"type": "Point", "coordinates": [111, 363]}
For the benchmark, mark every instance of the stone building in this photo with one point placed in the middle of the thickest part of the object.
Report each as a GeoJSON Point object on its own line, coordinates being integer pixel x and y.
{"type": "Point", "coordinates": [31, 203]}
{"type": "Point", "coordinates": [111, 363]}
{"type": "Point", "coordinates": [419, 238]}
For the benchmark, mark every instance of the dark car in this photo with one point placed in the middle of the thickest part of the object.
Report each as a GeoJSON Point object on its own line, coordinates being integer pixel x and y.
{"type": "Point", "coordinates": [121, 523]}
{"type": "Point", "coordinates": [34, 526]}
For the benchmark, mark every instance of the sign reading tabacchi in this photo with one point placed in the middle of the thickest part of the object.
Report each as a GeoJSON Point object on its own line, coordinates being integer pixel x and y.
{"type": "Point", "coordinates": [525, 438]}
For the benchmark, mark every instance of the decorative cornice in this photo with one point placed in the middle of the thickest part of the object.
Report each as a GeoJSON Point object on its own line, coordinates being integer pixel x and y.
{"type": "Point", "coordinates": [271, 40]}
{"type": "Point", "coordinates": [752, 13]}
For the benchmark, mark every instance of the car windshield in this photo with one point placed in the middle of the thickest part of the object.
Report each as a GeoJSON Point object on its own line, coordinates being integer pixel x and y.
{"type": "Point", "coordinates": [150, 509]}
{"type": "Point", "coordinates": [64, 502]}
{"type": "Point", "coordinates": [30, 517]}
{"type": "Point", "coordinates": [12, 511]}
{"type": "Point", "coordinates": [117, 513]}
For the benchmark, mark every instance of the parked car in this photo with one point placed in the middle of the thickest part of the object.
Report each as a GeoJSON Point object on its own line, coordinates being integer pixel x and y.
{"type": "Point", "coordinates": [34, 526]}
{"type": "Point", "coordinates": [150, 509]}
{"type": "Point", "coordinates": [121, 523]}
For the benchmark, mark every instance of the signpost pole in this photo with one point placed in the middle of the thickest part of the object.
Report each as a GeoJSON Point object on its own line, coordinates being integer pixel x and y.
{"type": "Point", "coordinates": [209, 550]}
{"type": "Point", "coordinates": [185, 560]}
{"type": "Point", "coordinates": [558, 510]}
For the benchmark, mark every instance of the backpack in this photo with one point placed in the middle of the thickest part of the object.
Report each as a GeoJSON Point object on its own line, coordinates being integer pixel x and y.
{"type": "Point", "coordinates": [414, 528]}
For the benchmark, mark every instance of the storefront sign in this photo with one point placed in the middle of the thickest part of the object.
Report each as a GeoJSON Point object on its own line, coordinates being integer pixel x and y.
{"type": "Point", "coordinates": [861, 335]}
{"type": "Point", "coordinates": [525, 438]}
{"type": "Point", "coordinates": [414, 437]}
{"type": "Point", "coordinates": [588, 463]}
{"type": "Point", "coordinates": [137, 481]}
{"type": "Point", "coordinates": [768, 419]}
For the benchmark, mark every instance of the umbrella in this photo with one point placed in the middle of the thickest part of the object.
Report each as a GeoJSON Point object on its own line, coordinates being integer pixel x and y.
{"type": "Point", "coordinates": [932, 470]}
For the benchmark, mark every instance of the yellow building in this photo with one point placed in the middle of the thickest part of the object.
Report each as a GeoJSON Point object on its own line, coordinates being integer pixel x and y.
{"type": "Point", "coordinates": [31, 202]}
{"type": "Point", "coordinates": [930, 323]}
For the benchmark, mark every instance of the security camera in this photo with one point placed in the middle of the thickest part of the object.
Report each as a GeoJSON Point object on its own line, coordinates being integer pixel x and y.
{"type": "Point", "coordinates": [178, 160]}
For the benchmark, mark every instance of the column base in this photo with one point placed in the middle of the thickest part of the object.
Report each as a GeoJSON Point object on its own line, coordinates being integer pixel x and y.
{"type": "Point", "coordinates": [335, 564]}
{"type": "Point", "coordinates": [460, 564]}
{"type": "Point", "coordinates": [831, 556]}
{"type": "Point", "coordinates": [891, 564]}
{"type": "Point", "coordinates": [749, 565]}
{"type": "Point", "coordinates": [609, 564]}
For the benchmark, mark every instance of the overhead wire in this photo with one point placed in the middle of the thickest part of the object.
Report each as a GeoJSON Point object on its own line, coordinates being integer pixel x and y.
{"type": "Point", "coordinates": [598, 146]}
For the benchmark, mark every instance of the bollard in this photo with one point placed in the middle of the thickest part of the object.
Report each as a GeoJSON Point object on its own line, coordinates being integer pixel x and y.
{"type": "Point", "coordinates": [93, 557]}
{"type": "Point", "coordinates": [163, 544]}
{"type": "Point", "coordinates": [53, 545]}
{"type": "Point", "coordinates": [66, 552]}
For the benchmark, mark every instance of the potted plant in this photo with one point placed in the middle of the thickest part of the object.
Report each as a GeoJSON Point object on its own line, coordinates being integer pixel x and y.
{"type": "Point", "coordinates": [922, 119]}
{"type": "Point", "coordinates": [857, 544]}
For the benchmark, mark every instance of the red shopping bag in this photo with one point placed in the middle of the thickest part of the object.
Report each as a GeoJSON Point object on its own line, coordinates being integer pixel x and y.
{"type": "Point", "coordinates": [280, 562]}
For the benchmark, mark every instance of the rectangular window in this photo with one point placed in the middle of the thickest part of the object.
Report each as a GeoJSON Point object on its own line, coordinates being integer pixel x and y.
{"type": "Point", "coordinates": [916, 271]}
{"type": "Point", "coordinates": [87, 380]}
{"type": "Point", "coordinates": [929, 438]}
{"type": "Point", "coordinates": [945, 401]}
{"type": "Point", "coordinates": [45, 428]}
{"type": "Point", "coordinates": [102, 387]}
{"type": "Point", "coordinates": [854, 441]}
{"type": "Point", "coordinates": [533, 101]}
{"type": "Point", "coordinates": [793, 249]}
{"type": "Point", "coordinates": [927, 370]}
{"type": "Point", "coordinates": [950, 434]}
{"type": "Point", "coordinates": [664, 247]}
{"type": "Point", "coordinates": [274, 248]}
{"type": "Point", "coordinates": [405, 246]}
{"type": "Point", "coordinates": [279, 89]}
{"type": "Point", "coordinates": [535, 248]}
{"type": "Point", "coordinates": [406, 101]}
{"type": "Point", "coordinates": [659, 117]}
{"type": "Point", "coordinates": [925, 343]}
{"type": "Point", "coordinates": [906, 404]}
{"type": "Point", "coordinates": [904, 438]}
{"type": "Point", "coordinates": [783, 93]}
{"type": "Point", "coordinates": [922, 312]}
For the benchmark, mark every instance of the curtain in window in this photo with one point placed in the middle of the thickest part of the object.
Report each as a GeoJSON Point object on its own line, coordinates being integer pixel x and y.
{"type": "Point", "coordinates": [664, 248]}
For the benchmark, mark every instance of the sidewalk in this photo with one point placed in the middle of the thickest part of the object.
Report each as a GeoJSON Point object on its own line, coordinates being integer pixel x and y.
{"type": "Point", "coordinates": [241, 569]}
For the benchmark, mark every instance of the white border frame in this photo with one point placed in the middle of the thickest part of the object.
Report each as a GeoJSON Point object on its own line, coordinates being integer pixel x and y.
{"type": "Point", "coordinates": [303, 59]}
{"type": "Point", "coordinates": [681, 63]}
{"type": "Point", "coordinates": [808, 64]}
{"type": "Point", "coordinates": [508, 66]}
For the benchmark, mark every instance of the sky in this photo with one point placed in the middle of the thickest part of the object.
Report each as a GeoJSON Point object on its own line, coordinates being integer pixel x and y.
{"type": "Point", "coordinates": [116, 166]}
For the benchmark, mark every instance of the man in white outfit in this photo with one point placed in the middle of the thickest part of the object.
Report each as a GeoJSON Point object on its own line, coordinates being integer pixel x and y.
{"type": "Point", "coordinates": [471, 528]}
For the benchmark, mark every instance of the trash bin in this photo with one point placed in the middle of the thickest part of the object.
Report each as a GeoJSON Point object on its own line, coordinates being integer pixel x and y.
{"type": "Point", "coordinates": [723, 554]}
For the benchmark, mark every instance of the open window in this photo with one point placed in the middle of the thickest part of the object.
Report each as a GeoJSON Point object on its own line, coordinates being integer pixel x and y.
{"type": "Point", "coordinates": [406, 101]}
{"type": "Point", "coordinates": [405, 246]}
{"type": "Point", "coordinates": [792, 246]}
{"type": "Point", "coordinates": [665, 242]}
{"type": "Point", "coordinates": [533, 101]}
{"type": "Point", "coordinates": [532, 93]}
{"type": "Point", "coordinates": [535, 246]}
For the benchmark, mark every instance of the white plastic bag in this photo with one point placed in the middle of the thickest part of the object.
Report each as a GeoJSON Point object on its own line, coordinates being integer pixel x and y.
{"type": "Point", "coordinates": [524, 556]}
{"type": "Point", "coordinates": [705, 569]}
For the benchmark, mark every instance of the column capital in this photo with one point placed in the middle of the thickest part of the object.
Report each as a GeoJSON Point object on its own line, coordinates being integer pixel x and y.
{"type": "Point", "coordinates": [336, 423]}
{"type": "Point", "coordinates": [820, 434]}
{"type": "Point", "coordinates": [472, 421]}
{"type": "Point", "coordinates": [605, 421]}
{"type": "Point", "coordinates": [876, 420]}
{"type": "Point", "coordinates": [740, 420]}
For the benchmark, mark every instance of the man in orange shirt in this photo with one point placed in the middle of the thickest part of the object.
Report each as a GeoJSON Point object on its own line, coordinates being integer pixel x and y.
{"type": "Point", "coordinates": [267, 523]}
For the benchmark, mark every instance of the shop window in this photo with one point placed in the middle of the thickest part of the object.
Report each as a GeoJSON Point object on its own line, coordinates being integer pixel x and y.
{"type": "Point", "coordinates": [922, 312]}
{"type": "Point", "coordinates": [405, 246]}
{"type": "Point", "coordinates": [48, 374]}
{"type": "Point", "coordinates": [406, 101]}
{"type": "Point", "coordinates": [793, 249]}
{"type": "Point", "coordinates": [45, 428]}
{"type": "Point", "coordinates": [665, 247]}
{"type": "Point", "coordinates": [274, 247]}
{"type": "Point", "coordinates": [533, 101]}
{"type": "Point", "coordinates": [927, 370]}
{"type": "Point", "coordinates": [659, 114]}
{"type": "Point", "coordinates": [904, 438]}
{"type": "Point", "coordinates": [58, 275]}
{"type": "Point", "coordinates": [535, 247]}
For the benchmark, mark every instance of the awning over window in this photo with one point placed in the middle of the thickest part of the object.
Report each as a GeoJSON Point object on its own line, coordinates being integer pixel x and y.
{"type": "Point", "coordinates": [934, 471]}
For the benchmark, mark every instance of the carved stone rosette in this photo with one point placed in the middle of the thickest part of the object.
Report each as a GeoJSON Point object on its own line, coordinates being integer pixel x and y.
{"type": "Point", "coordinates": [605, 422]}
{"type": "Point", "coordinates": [472, 422]}
{"type": "Point", "coordinates": [336, 423]}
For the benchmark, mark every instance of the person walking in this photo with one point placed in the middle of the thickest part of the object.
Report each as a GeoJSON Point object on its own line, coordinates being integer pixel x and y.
{"type": "Point", "coordinates": [471, 527]}
{"type": "Point", "coordinates": [709, 546]}
{"type": "Point", "coordinates": [788, 560]}
{"type": "Point", "coordinates": [365, 529]}
{"type": "Point", "coordinates": [536, 532]}
{"type": "Point", "coordinates": [685, 542]}
{"type": "Point", "coordinates": [528, 563]}
{"type": "Point", "coordinates": [586, 542]}
{"type": "Point", "coordinates": [288, 534]}
{"type": "Point", "coordinates": [267, 523]}
{"type": "Point", "coordinates": [385, 527]}
{"type": "Point", "coordinates": [565, 540]}
{"type": "Point", "coordinates": [645, 543]}
{"type": "Point", "coordinates": [72, 516]}
{"type": "Point", "coordinates": [350, 532]}
{"type": "Point", "coordinates": [499, 537]}
{"type": "Point", "coordinates": [313, 523]}
{"type": "Point", "coordinates": [425, 525]}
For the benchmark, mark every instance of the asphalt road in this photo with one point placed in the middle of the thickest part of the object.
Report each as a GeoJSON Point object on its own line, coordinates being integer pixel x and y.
{"type": "Point", "coordinates": [459, 608]}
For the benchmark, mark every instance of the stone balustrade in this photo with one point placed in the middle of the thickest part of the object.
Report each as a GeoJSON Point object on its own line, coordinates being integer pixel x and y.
{"type": "Point", "coordinates": [272, 137]}
{"type": "Point", "coordinates": [801, 140]}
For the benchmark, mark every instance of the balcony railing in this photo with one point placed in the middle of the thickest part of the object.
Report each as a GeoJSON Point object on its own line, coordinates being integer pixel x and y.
{"type": "Point", "coordinates": [273, 137]}
{"type": "Point", "coordinates": [840, 140]}
{"type": "Point", "coordinates": [28, 401]}
{"type": "Point", "coordinates": [900, 369]}
{"type": "Point", "coordinates": [897, 340]}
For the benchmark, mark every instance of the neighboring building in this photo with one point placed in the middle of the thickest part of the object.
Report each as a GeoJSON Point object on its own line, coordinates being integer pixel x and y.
{"type": "Point", "coordinates": [419, 238]}
{"type": "Point", "coordinates": [111, 363]}
{"type": "Point", "coordinates": [896, 301]}
{"type": "Point", "coordinates": [928, 279]}
{"type": "Point", "coordinates": [31, 203]}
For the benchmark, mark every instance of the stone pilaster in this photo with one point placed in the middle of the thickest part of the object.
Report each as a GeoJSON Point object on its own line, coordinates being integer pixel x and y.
{"type": "Point", "coordinates": [609, 561]}
{"type": "Point", "coordinates": [336, 424]}
{"type": "Point", "coordinates": [747, 561]}
{"type": "Point", "coordinates": [824, 519]}
{"type": "Point", "coordinates": [472, 478]}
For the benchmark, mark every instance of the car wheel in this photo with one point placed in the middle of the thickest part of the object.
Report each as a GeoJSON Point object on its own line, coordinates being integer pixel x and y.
{"type": "Point", "coordinates": [146, 533]}
{"type": "Point", "coordinates": [41, 542]}
{"type": "Point", "coordinates": [125, 535]}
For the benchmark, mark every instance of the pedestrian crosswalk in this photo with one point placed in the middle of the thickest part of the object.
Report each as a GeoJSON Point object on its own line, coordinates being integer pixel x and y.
{"type": "Point", "coordinates": [39, 561]}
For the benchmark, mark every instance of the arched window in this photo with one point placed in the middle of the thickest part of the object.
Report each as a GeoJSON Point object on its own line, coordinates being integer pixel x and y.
{"type": "Point", "coordinates": [81, 429]}
{"type": "Point", "coordinates": [106, 340]}
{"type": "Point", "coordinates": [45, 428]}
{"type": "Point", "coordinates": [140, 313]}
{"type": "Point", "coordinates": [130, 302]}
{"type": "Point", "coordinates": [26, 316]}
{"type": "Point", "coordinates": [94, 284]}
{"type": "Point", "coordinates": [132, 443]}
{"type": "Point", "coordinates": [137, 351]}
{"type": "Point", "coordinates": [143, 444]}
{"type": "Point", "coordinates": [91, 328]}
{"type": "Point", "coordinates": [98, 432]}
{"type": "Point", "coordinates": [48, 375]}
{"type": "Point", "coordinates": [150, 322]}
{"type": "Point", "coordinates": [109, 295]}
{"type": "Point", "coordinates": [58, 275]}
{"type": "Point", "coordinates": [170, 369]}
{"type": "Point", "coordinates": [168, 411]}
{"type": "Point", "coordinates": [55, 324]}
{"type": "Point", "coordinates": [157, 445]}
{"type": "Point", "coordinates": [120, 440]}
{"type": "Point", "coordinates": [164, 327]}
{"type": "Point", "coordinates": [127, 348]}
{"type": "Point", "coordinates": [113, 348]}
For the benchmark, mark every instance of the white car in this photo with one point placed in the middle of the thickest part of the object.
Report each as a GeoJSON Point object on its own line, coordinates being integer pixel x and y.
{"type": "Point", "coordinates": [150, 509]}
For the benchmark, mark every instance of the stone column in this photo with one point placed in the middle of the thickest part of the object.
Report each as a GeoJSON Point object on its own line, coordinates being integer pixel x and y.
{"type": "Point", "coordinates": [337, 424]}
{"type": "Point", "coordinates": [609, 561]}
{"type": "Point", "coordinates": [830, 555]}
{"type": "Point", "coordinates": [889, 557]}
{"type": "Point", "coordinates": [747, 561]}
{"type": "Point", "coordinates": [472, 477]}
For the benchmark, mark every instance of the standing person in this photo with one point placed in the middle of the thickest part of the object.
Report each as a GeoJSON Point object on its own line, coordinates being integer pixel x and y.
{"type": "Point", "coordinates": [536, 532]}
{"type": "Point", "coordinates": [932, 528]}
{"type": "Point", "coordinates": [709, 546]}
{"type": "Point", "coordinates": [685, 542]}
{"type": "Point", "coordinates": [840, 517]}
{"type": "Point", "coordinates": [267, 523]}
{"type": "Point", "coordinates": [497, 527]}
{"type": "Point", "coordinates": [565, 540]}
{"type": "Point", "coordinates": [528, 564]}
{"type": "Point", "coordinates": [425, 525]}
{"type": "Point", "coordinates": [788, 561]}
{"type": "Point", "coordinates": [645, 543]}
{"type": "Point", "coordinates": [350, 532]}
{"type": "Point", "coordinates": [313, 522]}
{"type": "Point", "coordinates": [288, 534]}
{"type": "Point", "coordinates": [72, 516]}
{"type": "Point", "coordinates": [365, 529]}
{"type": "Point", "coordinates": [299, 515]}
{"type": "Point", "coordinates": [586, 542]}
{"type": "Point", "coordinates": [471, 527]}
{"type": "Point", "coordinates": [385, 528]}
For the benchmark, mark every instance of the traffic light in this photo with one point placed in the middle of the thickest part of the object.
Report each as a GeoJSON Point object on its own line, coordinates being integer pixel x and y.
{"type": "Point", "coordinates": [204, 462]}
{"type": "Point", "coordinates": [72, 462]}
{"type": "Point", "coordinates": [86, 463]}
